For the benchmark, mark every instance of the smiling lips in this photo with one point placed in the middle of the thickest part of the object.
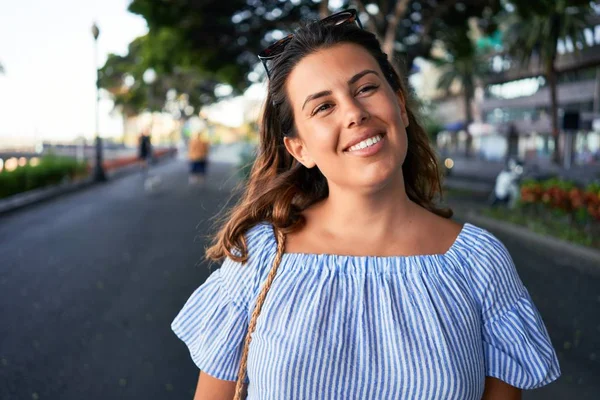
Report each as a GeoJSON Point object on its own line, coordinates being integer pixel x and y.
{"type": "Point", "coordinates": [361, 140]}
{"type": "Point", "coordinates": [366, 143]}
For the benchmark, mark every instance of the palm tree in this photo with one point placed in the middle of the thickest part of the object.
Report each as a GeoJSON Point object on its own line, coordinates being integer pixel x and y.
{"type": "Point", "coordinates": [535, 29]}
{"type": "Point", "coordinates": [461, 65]}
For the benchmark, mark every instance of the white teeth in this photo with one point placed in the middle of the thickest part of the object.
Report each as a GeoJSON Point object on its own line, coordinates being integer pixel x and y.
{"type": "Point", "coordinates": [366, 143]}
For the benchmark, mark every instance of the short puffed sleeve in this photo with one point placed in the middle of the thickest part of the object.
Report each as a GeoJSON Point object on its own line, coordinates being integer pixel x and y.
{"type": "Point", "coordinates": [517, 347]}
{"type": "Point", "coordinates": [214, 320]}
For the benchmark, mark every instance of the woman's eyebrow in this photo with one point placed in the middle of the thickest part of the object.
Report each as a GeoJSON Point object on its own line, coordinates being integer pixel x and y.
{"type": "Point", "coordinates": [360, 75]}
{"type": "Point", "coordinates": [316, 96]}
{"type": "Point", "coordinates": [328, 92]}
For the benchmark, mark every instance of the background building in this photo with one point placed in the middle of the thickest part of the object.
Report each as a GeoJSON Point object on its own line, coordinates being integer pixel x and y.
{"type": "Point", "coordinates": [511, 106]}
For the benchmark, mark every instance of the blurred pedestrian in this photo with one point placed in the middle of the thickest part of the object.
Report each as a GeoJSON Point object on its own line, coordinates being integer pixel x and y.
{"type": "Point", "coordinates": [145, 150]}
{"type": "Point", "coordinates": [199, 147]}
{"type": "Point", "coordinates": [342, 279]}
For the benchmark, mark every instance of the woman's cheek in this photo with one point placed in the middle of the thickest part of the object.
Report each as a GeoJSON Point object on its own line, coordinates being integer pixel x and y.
{"type": "Point", "coordinates": [324, 138]}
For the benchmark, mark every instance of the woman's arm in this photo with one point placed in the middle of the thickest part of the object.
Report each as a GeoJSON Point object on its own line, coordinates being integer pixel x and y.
{"type": "Point", "coordinates": [210, 388]}
{"type": "Point", "coordinates": [495, 389]}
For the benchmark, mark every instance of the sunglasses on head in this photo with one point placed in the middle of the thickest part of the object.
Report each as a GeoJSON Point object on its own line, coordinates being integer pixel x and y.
{"type": "Point", "coordinates": [340, 18]}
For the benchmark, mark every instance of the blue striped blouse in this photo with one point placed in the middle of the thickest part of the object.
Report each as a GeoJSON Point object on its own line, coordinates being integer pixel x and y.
{"type": "Point", "coordinates": [349, 327]}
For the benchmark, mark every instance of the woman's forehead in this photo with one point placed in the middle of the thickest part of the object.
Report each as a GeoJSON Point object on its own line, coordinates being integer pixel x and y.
{"type": "Point", "coordinates": [328, 67]}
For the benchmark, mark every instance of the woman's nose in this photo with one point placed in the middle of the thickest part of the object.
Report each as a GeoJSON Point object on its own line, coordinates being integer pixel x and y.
{"type": "Point", "coordinates": [355, 113]}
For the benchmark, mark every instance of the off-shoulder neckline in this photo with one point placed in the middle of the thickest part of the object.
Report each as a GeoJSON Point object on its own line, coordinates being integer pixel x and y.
{"type": "Point", "coordinates": [465, 231]}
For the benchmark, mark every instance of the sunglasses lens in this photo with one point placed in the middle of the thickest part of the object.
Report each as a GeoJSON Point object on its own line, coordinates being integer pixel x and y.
{"type": "Point", "coordinates": [338, 19]}
{"type": "Point", "coordinates": [275, 48]}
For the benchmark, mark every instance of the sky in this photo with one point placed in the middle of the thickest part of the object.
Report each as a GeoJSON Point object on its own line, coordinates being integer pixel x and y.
{"type": "Point", "coordinates": [47, 50]}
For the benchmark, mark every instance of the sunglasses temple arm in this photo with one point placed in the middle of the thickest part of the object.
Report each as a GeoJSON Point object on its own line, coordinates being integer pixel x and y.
{"type": "Point", "coordinates": [264, 63]}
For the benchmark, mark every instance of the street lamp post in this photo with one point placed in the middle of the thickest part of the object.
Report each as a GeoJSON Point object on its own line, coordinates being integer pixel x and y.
{"type": "Point", "coordinates": [99, 175]}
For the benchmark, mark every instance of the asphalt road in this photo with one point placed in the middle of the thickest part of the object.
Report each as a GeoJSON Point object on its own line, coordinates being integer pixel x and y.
{"type": "Point", "coordinates": [90, 282]}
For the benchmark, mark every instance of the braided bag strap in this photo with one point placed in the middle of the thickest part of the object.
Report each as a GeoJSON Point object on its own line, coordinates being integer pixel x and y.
{"type": "Point", "coordinates": [259, 303]}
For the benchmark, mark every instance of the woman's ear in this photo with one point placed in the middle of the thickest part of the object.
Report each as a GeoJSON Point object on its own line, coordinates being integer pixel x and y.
{"type": "Point", "coordinates": [297, 148]}
{"type": "Point", "coordinates": [402, 103]}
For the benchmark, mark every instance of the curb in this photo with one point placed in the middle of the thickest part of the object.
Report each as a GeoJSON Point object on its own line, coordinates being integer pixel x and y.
{"type": "Point", "coordinates": [29, 198]}
{"type": "Point", "coordinates": [467, 185]}
{"type": "Point", "coordinates": [573, 250]}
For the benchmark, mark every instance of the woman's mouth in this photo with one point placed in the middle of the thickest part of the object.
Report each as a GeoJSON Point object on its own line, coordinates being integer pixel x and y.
{"type": "Point", "coordinates": [368, 146]}
{"type": "Point", "coordinates": [366, 143]}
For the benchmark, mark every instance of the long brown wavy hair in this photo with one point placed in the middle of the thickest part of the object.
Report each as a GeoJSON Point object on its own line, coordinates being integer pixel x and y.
{"type": "Point", "coordinates": [279, 187]}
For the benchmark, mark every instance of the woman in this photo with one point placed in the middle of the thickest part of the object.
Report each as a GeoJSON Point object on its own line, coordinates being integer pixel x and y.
{"type": "Point", "coordinates": [341, 273]}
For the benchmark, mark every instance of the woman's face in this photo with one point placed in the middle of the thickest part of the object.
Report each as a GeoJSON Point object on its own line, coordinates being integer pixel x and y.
{"type": "Point", "coordinates": [350, 123]}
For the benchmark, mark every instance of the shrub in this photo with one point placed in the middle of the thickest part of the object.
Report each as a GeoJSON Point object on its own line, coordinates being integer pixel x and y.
{"type": "Point", "coordinates": [51, 170]}
{"type": "Point", "coordinates": [564, 196]}
{"type": "Point", "coordinates": [563, 202]}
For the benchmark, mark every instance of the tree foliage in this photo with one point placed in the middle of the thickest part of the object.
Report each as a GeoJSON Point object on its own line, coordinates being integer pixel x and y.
{"type": "Point", "coordinates": [123, 76]}
{"type": "Point", "coordinates": [410, 28]}
{"type": "Point", "coordinates": [224, 37]}
{"type": "Point", "coordinates": [209, 41]}
{"type": "Point", "coordinates": [534, 28]}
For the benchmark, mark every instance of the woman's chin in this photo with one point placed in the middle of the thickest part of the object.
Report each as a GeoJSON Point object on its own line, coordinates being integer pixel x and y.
{"type": "Point", "coordinates": [377, 181]}
{"type": "Point", "coordinates": [381, 173]}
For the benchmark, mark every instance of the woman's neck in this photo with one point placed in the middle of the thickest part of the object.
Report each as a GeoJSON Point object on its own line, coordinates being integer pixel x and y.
{"type": "Point", "coordinates": [374, 214]}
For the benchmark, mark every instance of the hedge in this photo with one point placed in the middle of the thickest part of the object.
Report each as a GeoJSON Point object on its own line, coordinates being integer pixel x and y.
{"type": "Point", "coordinates": [53, 170]}
{"type": "Point", "coordinates": [50, 171]}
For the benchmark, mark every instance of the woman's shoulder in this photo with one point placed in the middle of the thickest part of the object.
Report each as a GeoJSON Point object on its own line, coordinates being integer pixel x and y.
{"type": "Point", "coordinates": [260, 238]}
{"type": "Point", "coordinates": [480, 243]}
{"type": "Point", "coordinates": [261, 247]}
{"type": "Point", "coordinates": [487, 258]}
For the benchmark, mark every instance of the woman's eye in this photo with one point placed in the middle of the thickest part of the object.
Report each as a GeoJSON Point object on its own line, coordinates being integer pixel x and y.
{"type": "Point", "coordinates": [322, 107]}
{"type": "Point", "coordinates": [368, 88]}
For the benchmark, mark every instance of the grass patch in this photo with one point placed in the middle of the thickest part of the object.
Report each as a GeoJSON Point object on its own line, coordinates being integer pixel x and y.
{"type": "Point", "coordinates": [460, 192]}
{"type": "Point", "coordinates": [554, 224]}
